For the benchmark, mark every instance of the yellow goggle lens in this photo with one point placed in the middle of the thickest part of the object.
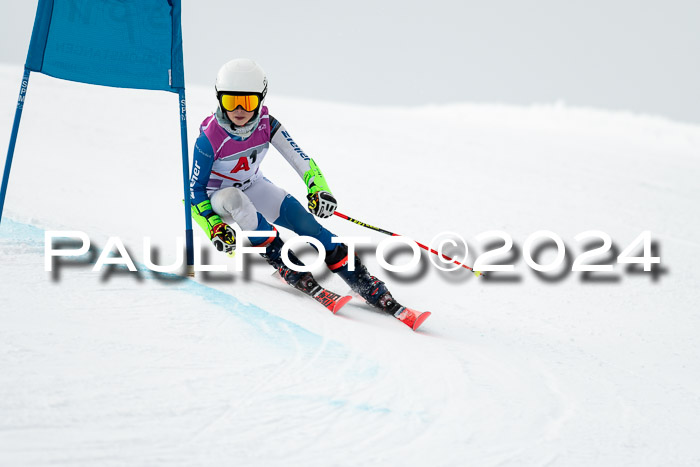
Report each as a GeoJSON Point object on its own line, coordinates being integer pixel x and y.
{"type": "Point", "coordinates": [249, 103]}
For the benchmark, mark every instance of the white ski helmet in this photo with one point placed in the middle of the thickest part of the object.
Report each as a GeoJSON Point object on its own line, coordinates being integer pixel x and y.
{"type": "Point", "coordinates": [241, 75]}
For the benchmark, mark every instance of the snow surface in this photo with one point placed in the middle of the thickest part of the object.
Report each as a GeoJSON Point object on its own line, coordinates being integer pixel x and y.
{"type": "Point", "coordinates": [121, 368]}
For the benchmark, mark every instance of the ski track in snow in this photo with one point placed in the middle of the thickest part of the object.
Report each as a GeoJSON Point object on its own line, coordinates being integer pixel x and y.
{"type": "Point", "coordinates": [147, 369]}
{"type": "Point", "coordinates": [304, 387]}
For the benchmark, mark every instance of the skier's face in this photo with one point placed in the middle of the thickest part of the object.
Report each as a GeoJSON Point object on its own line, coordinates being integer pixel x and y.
{"type": "Point", "coordinates": [238, 116]}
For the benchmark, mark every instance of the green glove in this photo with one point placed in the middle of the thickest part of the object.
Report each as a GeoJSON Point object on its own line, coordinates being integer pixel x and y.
{"type": "Point", "coordinates": [224, 238]}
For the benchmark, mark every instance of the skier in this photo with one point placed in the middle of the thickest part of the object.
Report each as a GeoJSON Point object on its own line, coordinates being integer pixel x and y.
{"type": "Point", "coordinates": [228, 186]}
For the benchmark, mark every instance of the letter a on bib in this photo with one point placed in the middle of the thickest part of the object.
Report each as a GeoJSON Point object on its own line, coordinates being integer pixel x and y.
{"type": "Point", "coordinates": [242, 165]}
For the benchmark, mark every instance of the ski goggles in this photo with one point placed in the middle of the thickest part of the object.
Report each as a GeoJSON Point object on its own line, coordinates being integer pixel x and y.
{"type": "Point", "coordinates": [230, 102]}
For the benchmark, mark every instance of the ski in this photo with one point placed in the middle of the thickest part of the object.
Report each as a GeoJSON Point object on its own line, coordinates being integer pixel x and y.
{"type": "Point", "coordinates": [410, 317]}
{"type": "Point", "coordinates": [331, 300]}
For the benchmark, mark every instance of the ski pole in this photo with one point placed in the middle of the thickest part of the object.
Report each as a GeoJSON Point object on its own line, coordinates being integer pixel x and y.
{"type": "Point", "coordinates": [386, 232]}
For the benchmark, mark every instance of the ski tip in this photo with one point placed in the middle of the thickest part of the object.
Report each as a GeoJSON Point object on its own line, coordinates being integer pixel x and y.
{"type": "Point", "coordinates": [420, 319]}
{"type": "Point", "coordinates": [411, 318]}
{"type": "Point", "coordinates": [341, 303]}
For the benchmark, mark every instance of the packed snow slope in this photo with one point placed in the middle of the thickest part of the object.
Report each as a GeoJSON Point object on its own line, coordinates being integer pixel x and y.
{"type": "Point", "coordinates": [559, 368]}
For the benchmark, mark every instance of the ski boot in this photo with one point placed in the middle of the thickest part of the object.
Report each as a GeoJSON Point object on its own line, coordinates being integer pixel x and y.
{"type": "Point", "coordinates": [303, 281]}
{"type": "Point", "coordinates": [373, 290]}
{"type": "Point", "coordinates": [367, 286]}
